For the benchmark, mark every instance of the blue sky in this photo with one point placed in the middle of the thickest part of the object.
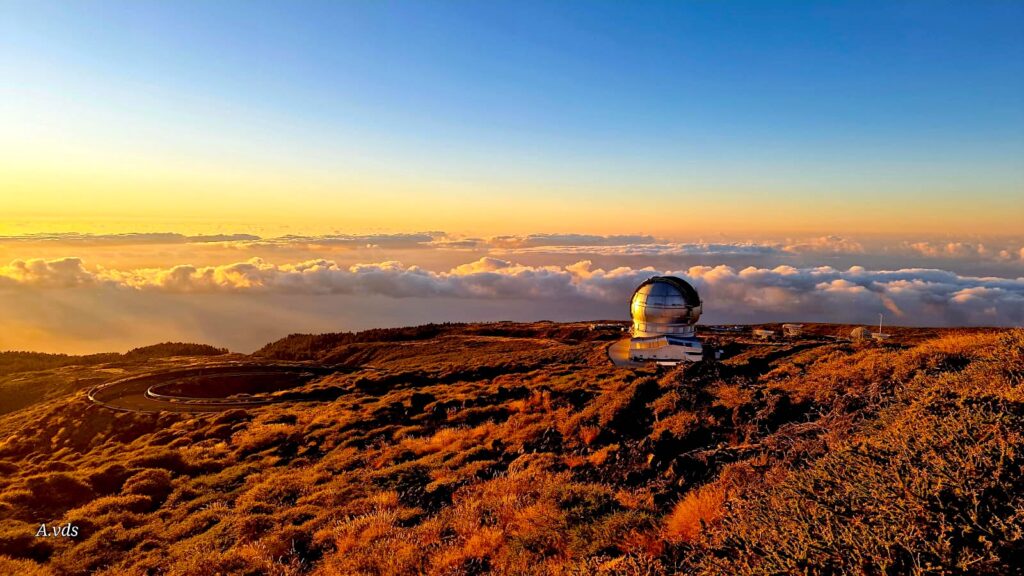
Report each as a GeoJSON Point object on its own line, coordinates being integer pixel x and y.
{"type": "Point", "coordinates": [805, 102]}
{"type": "Point", "coordinates": [884, 139]}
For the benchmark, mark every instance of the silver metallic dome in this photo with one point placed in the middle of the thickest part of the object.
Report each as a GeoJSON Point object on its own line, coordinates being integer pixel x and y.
{"type": "Point", "coordinates": [664, 305]}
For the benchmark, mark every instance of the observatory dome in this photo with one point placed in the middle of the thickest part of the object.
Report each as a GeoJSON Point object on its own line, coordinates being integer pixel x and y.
{"type": "Point", "coordinates": [664, 305]}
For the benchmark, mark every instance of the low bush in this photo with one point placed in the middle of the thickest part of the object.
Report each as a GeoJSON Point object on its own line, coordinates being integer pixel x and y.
{"type": "Point", "coordinates": [155, 483]}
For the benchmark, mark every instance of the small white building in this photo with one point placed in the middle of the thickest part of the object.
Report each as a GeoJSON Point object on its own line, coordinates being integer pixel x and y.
{"type": "Point", "coordinates": [792, 330]}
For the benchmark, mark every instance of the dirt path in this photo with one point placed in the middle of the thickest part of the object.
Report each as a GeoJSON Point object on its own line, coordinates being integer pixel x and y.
{"type": "Point", "coordinates": [147, 392]}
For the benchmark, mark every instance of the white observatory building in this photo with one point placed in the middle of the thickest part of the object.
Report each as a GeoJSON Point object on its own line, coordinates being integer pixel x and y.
{"type": "Point", "coordinates": [664, 310]}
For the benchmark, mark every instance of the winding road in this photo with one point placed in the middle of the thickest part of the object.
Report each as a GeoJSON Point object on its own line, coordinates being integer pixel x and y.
{"type": "Point", "coordinates": [204, 388]}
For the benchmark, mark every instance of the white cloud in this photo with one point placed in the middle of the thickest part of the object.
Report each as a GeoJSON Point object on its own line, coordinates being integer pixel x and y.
{"type": "Point", "coordinates": [918, 295]}
{"type": "Point", "coordinates": [608, 247]}
{"type": "Point", "coordinates": [1005, 252]}
{"type": "Point", "coordinates": [410, 240]}
{"type": "Point", "coordinates": [535, 240]}
{"type": "Point", "coordinates": [663, 249]}
{"type": "Point", "coordinates": [965, 251]}
{"type": "Point", "coordinates": [126, 239]}
{"type": "Point", "coordinates": [948, 249]}
{"type": "Point", "coordinates": [36, 272]}
{"type": "Point", "coordinates": [824, 244]}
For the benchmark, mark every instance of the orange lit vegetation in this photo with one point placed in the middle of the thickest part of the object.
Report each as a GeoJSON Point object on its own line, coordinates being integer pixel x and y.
{"type": "Point", "coordinates": [518, 449]}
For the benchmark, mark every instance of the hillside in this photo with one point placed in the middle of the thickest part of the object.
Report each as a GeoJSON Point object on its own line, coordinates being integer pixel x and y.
{"type": "Point", "coordinates": [519, 449]}
{"type": "Point", "coordinates": [11, 362]}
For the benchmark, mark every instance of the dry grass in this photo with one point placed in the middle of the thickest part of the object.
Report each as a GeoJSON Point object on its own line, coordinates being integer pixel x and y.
{"type": "Point", "coordinates": [516, 449]}
{"type": "Point", "coordinates": [700, 508]}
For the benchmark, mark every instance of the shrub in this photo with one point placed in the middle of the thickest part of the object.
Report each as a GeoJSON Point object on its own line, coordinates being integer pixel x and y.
{"type": "Point", "coordinates": [104, 548]}
{"type": "Point", "coordinates": [109, 479]}
{"type": "Point", "coordinates": [1010, 354]}
{"type": "Point", "coordinates": [589, 434]}
{"type": "Point", "coordinates": [698, 509]}
{"type": "Point", "coordinates": [22, 567]}
{"type": "Point", "coordinates": [261, 437]}
{"type": "Point", "coordinates": [628, 565]}
{"type": "Point", "coordinates": [167, 459]}
{"type": "Point", "coordinates": [18, 540]}
{"type": "Point", "coordinates": [678, 425]}
{"type": "Point", "coordinates": [109, 510]}
{"type": "Point", "coordinates": [934, 484]}
{"type": "Point", "coordinates": [48, 495]}
{"type": "Point", "coordinates": [152, 482]}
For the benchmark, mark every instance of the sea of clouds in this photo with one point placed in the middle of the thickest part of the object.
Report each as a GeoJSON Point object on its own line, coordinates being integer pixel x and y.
{"type": "Point", "coordinates": [531, 277]}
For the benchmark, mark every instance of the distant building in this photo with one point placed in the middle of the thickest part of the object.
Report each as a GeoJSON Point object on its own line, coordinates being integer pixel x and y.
{"type": "Point", "coordinates": [763, 334]}
{"type": "Point", "coordinates": [860, 333]}
{"type": "Point", "coordinates": [792, 330]}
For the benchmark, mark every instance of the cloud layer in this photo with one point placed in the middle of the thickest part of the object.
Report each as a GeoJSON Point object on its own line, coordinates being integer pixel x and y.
{"type": "Point", "coordinates": [126, 239]}
{"type": "Point", "coordinates": [241, 291]}
{"type": "Point", "coordinates": [914, 295]}
{"type": "Point", "coordinates": [996, 250]}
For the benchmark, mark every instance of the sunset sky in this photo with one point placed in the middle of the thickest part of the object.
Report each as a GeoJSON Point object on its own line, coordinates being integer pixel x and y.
{"type": "Point", "coordinates": [641, 137]}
